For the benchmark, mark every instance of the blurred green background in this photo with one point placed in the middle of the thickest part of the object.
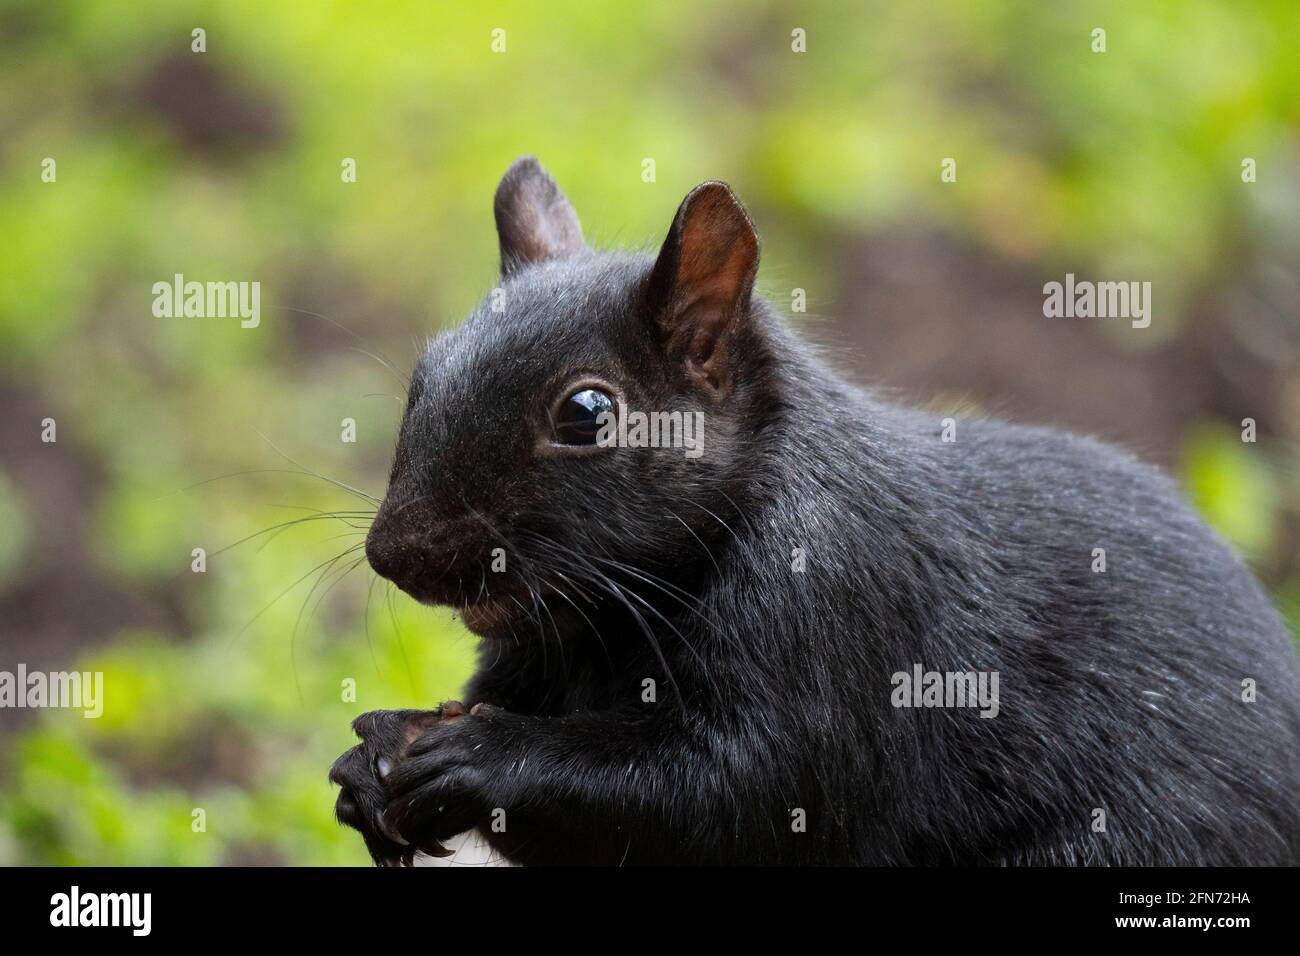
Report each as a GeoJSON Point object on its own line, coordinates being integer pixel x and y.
{"type": "Point", "coordinates": [224, 689]}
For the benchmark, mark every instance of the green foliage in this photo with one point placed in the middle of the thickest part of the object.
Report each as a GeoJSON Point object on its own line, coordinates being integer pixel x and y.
{"type": "Point", "coordinates": [1233, 487]}
{"type": "Point", "coordinates": [236, 725]}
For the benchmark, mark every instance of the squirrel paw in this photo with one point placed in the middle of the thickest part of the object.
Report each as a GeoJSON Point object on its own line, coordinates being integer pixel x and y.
{"type": "Point", "coordinates": [364, 771]}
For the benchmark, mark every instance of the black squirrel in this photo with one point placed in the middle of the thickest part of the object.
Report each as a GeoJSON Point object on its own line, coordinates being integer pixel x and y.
{"type": "Point", "coordinates": [704, 659]}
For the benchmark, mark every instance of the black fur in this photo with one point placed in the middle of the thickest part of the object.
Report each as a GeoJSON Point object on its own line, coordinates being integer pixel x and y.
{"type": "Point", "coordinates": [1119, 691]}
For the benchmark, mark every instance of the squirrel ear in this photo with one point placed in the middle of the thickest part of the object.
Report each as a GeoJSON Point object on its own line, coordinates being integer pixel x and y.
{"type": "Point", "coordinates": [534, 220]}
{"type": "Point", "coordinates": [700, 287]}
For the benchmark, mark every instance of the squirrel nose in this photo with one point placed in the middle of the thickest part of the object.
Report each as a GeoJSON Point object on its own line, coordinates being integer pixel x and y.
{"type": "Point", "coordinates": [429, 558]}
{"type": "Point", "coordinates": [390, 558]}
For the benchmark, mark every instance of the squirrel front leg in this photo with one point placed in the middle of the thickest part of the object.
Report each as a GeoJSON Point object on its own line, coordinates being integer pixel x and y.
{"type": "Point", "coordinates": [602, 787]}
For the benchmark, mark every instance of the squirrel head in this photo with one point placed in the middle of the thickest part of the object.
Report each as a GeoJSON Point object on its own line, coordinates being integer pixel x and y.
{"type": "Point", "coordinates": [526, 469]}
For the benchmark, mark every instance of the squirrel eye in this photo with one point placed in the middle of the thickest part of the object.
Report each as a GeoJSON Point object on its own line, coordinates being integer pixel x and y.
{"type": "Point", "coordinates": [576, 420]}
